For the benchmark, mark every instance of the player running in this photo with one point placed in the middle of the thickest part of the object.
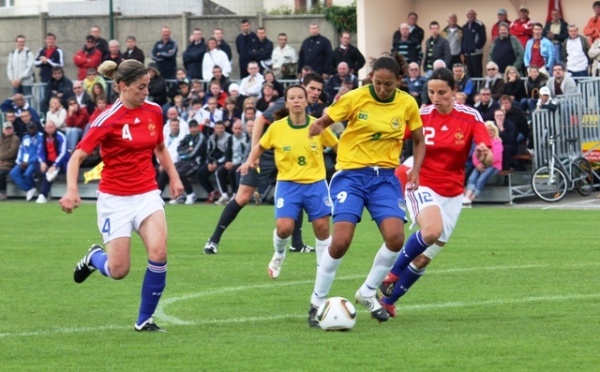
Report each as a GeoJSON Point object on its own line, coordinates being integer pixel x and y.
{"type": "Point", "coordinates": [129, 133]}
{"type": "Point", "coordinates": [449, 129]}
{"type": "Point", "coordinates": [368, 153]}
{"type": "Point", "coordinates": [301, 180]}
{"type": "Point", "coordinates": [313, 83]}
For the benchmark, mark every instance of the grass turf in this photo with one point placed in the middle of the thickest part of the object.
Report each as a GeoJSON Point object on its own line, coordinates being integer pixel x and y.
{"type": "Point", "coordinates": [513, 290]}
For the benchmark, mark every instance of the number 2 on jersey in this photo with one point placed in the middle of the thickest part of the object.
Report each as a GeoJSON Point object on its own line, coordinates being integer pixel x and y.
{"type": "Point", "coordinates": [428, 133]}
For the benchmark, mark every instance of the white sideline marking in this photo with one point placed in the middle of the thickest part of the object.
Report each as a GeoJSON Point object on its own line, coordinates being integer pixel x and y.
{"type": "Point", "coordinates": [168, 319]}
{"type": "Point", "coordinates": [303, 315]}
{"type": "Point", "coordinates": [171, 319]}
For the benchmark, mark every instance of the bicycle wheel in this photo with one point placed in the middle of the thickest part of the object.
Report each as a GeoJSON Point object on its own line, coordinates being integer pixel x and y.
{"type": "Point", "coordinates": [583, 177]}
{"type": "Point", "coordinates": [549, 189]}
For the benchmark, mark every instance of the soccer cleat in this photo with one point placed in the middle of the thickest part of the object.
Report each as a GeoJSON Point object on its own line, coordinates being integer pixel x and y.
{"type": "Point", "coordinates": [210, 247]}
{"type": "Point", "coordinates": [304, 249]}
{"type": "Point", "coordinates": [148, 326]}
{"type": "Point", "coordinates": [275, 265]}
{"type": "Point", "coordinates": [84, 268]}
{"type": "Point", "coordinates": [30, 194]}
{"type": "Point", "coordinates": [190, 199]}
{"type": "Point", "coordinates": [41, 199]}
{"type": "Point", "coordinates": [179, 200]}
{"type": "Point", "coordinates": [222, 200]}
{"type": "Point", "coordinates": [391, 309]}
{"type": "Point", "coordinates": [373, 305]}
{"type": "Point", "coordinates": [387, 286]}
{"type": "Point", "coordinates": [312, 316]}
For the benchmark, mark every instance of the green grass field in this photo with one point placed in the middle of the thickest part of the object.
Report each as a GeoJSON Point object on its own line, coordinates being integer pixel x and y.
{"type": "Point", "coordinates": [514, 290]}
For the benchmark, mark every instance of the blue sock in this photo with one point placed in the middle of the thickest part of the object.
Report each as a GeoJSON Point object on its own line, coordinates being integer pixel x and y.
{"type": "Point", "coordinates": [99, 261]}
{"type": "Point", "coordinates": [413, 247]}
{"type": "Point", "coordinates": [155, 281]}
{"type": "Point", "coordinates": [408, 277]}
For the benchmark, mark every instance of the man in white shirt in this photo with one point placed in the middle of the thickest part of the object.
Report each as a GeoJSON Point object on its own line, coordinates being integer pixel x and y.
{"type": "Point", "coordinates": [19, 67]}
{"type": "Point", "coordinates": [575, 49]}
{"type": "Point", "coordinates": [172, 115]}
{"type": "Point", "coordinates": [251, 85]}
{"type": "Point", "coordinates": [284, 59]}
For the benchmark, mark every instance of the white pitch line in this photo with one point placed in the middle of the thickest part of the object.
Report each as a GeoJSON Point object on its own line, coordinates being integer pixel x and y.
{"type": "Point", "coordinates": [404, 308]}
{"type": "Point", "coordinates": [171, 319]}
{"type": "Point", "coordinates": [168, 319]}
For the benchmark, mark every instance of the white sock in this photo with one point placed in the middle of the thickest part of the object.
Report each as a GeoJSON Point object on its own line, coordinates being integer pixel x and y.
{"type": "Point", "coordinates": [279, 244]}
{"type": "Point", "coordinates": [382, 264]}
{"type": "Point", "coordinates": [321, 246]}
{"type": "Point", "coordinates": [224, 195]}
{"type": "Point", "coordinates": [325, 275]}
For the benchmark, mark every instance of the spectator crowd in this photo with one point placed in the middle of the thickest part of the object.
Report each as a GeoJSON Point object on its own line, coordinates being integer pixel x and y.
{"type": "Point", "coordinates": [209, 117]}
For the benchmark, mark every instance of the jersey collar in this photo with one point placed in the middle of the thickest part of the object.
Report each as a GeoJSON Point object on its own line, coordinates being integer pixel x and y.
{"type": "Point", "coordinates": [298, 126]}
{"type": "Point", "coordinates": [374, 95]}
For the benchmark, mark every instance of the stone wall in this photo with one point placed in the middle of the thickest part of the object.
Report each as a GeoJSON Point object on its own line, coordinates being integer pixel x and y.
{"type": "Point", "coordinates": [71, 32]}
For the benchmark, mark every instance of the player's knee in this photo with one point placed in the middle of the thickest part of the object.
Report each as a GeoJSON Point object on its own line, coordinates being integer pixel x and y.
{"type": "Point", "coordinates": [431, 234]}
{"type": "Point", "coordinates": [158, 256]}
{"type": "Point", "coordinates": [339, 246]}
{"type": "Point", "coordinates": [395, 242]}
{"type": "Point", "coordinates": [118, 270]}
{"type": "Point", "coordinates": [243, 196]}
{"type": "Point", "coordinates": [284, 230]}
{"type": "Point", "coordinates": [321, 229]}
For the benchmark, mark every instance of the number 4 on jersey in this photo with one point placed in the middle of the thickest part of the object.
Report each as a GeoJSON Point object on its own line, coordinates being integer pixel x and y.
{"type": "Point", "coordinates": [126, 133]}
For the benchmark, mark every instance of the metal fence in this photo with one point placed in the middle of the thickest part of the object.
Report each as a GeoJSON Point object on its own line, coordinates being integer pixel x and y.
{"type": "Point", "coordinates": [577, 116]}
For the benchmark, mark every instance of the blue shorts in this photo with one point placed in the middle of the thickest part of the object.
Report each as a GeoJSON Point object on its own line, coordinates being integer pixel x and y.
{"type": "Point", "coordinates": [376, 189]}
{"type": "Point", "coordinates": [291, 197]}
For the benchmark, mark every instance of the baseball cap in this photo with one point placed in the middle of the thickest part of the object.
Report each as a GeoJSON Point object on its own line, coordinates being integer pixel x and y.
{"type": "Point", "coordinates": [544, 91]}
{"type": "Point", "coordinates": [184, 81]}
{"type": "Point", "coordinates": [523, 7]}
{"type": "Point", "coordinates": [7, 125]}
{"type": "Point", "coordinates": [234, 86]}
{"type": "Point", "coordinates": [502, 11]}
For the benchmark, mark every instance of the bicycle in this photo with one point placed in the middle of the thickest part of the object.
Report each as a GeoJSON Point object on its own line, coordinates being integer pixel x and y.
{"type": "Point", "coordinates": [551, 182]}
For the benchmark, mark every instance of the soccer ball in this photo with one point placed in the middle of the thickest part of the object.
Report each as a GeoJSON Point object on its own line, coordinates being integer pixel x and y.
{"type": "Point", "coordinates": [336, 314]}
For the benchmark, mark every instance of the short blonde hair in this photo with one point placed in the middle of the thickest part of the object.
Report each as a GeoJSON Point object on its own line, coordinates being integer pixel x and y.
{"type": "Point", "coordinates": [491, 125]}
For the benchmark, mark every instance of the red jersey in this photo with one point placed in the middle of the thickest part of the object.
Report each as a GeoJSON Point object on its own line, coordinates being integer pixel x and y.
{"type": "Point", "coordinates": [448, 140]}
{"type": "Point", "coordinates": [127, 140]}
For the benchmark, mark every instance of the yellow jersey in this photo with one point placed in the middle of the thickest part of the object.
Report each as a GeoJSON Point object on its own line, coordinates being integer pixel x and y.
{"type": "Point", "coordinates": [376, 128]}
{"type": "Point", "coordinates": [298, 157]}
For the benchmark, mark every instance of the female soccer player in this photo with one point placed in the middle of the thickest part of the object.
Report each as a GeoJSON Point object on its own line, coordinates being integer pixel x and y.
{"type": "Point", "coordinates": [300, 174]}
{"type": "Point", "coordinates": [128, 198]}
{"type": "Point", "coordinates": [368, 153]}
{"type": "Point", "coordinates": [449, 129]}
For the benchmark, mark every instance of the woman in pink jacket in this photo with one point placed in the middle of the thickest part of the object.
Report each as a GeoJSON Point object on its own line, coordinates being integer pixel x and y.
{"type": "Point", "coordinates": [481, 174]}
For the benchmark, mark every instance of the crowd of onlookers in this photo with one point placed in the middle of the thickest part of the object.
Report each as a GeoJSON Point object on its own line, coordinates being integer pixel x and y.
{"type": "Point", "coordinates": [209, 116]}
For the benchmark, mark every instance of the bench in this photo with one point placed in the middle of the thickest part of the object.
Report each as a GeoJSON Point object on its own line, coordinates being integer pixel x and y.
{"type": "Point", "coordinates": [86, 191]}
{"type": "Point", "coordinates": [507, 186]}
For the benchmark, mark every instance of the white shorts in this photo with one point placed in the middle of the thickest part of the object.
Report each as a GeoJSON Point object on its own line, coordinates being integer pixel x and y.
{"type": "Point", "coordinates": [118, 216]}
{"type": "Point", "coordinates": [450, 208]}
